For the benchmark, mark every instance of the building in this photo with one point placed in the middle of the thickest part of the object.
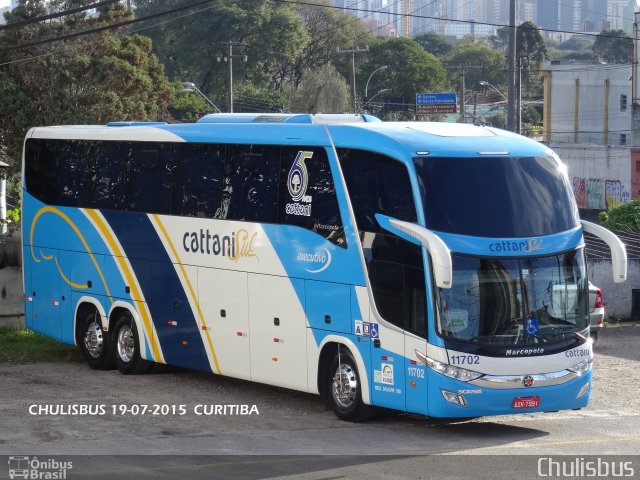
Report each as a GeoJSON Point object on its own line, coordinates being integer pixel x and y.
{"type": "Point", "coordinates": [588, 118]}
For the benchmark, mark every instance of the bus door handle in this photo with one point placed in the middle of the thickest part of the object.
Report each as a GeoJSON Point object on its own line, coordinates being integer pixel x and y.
{"type": "Point", "coordinates": [376, 343]}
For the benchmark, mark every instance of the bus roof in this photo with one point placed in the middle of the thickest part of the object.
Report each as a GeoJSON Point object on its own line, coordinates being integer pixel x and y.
{"type": "Point", "coordinates": [401, 140]}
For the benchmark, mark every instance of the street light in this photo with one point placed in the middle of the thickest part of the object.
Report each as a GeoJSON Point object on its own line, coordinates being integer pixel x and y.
{"type": "Point", "coordinates": [369, 100]}
{"type": "Point", "coordinates": [487, 84]}
{"type": "Point", "coordinates": [366, 87]}
{"type": "Point", "coordinates": [191, 87]}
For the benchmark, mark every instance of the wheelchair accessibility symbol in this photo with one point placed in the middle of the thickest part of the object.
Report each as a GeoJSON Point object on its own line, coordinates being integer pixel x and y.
{"type": "Point", "coordinates": [532, 327]}
{"type": "Point", "coordinates": [374, 330]}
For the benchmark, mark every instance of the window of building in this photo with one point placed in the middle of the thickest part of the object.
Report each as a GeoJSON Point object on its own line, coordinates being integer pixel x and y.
{"type": "Point", "coordinates": [623, 102]}
{"type": "Point", "coordinates": [623, 139]}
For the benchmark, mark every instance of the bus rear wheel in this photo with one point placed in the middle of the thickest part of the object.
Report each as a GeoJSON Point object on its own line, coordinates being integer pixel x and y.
{"type": "Point", "coordinates": [126, 347]}
{"type": "Point", "coordinates": [344, 390]}
{"type": "Point", "coordinates": [95, 343]}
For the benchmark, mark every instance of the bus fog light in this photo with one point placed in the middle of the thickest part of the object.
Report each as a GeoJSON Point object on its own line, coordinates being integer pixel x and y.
{"type": "Point", "coordinates": [581, 367]}
{"type": "Point", "coordinates": [584, 389]}
{"type": "Point", "coordinates": [454, 398]}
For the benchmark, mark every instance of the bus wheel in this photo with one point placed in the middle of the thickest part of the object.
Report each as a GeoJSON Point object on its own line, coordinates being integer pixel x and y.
{"type": "Point", "coordinates": [344, 390]}
{"type": "Point", "coordinates": [94, 343]}
{"type": "Point", "coordinates": [126, 347]}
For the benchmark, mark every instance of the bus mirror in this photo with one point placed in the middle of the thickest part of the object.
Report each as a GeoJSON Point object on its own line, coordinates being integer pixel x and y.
{"type": "Point", "coordinates": [418, 235]}
{"type": "Point", "coordinates": [618, 251]}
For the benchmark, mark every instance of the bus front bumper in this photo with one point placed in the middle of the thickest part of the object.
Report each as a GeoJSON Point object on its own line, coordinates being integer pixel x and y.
{"type": "Point", "coordinates": [450, 398]}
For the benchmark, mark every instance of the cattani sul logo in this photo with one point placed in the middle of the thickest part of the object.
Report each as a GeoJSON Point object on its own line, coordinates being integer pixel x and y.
{"type": "Point", "coordinates": [297, 183]}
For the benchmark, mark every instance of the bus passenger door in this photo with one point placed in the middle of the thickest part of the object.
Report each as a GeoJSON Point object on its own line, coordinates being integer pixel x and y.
{"type": "Point", "coordinates": [45, 289]}
{"type": "Point", "coordinates": [277, 331]}
{"type": "Point", "coordinates": [224, 304]}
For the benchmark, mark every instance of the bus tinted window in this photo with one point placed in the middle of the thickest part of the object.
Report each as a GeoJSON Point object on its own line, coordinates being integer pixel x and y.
{"type": "Point", "coordinates": [71, 184]}
{"type": "Point", "coordinates": [307, 193]}
{"type": "Point", "coordinates": [252, 179]}
{"type": "Point", "coordinates": [149, 188]}
{"type": "Point", "coordinates": [199, 183]}
{"type": "Point", "coordinates": [107, 174]}
{"type": "Point", "coordinates": [496, 196]}
{"type": "Point", "coordinates": [376, 184]}
{"type": "Point", "coordinates": [40, 168]}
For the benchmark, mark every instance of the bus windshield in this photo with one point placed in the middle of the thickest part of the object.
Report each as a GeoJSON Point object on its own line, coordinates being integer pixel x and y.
{"type": "Point", "coordinates": [496, 196]}
{"type": "Point", "coordinates": [515, 301]}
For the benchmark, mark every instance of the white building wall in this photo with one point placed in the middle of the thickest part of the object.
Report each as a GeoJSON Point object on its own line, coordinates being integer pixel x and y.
{"type": "Point", "coordinates": [579, 90]}
{"type": "Point", "coordinates": [600, 175]}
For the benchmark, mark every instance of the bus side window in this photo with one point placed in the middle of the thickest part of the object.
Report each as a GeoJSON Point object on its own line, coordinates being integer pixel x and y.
{"type": "Point", "coordinates": [71, 186]}
{"type": "Point", "coordinates": [149, 185]}
{"type": "Point", "coordinates": [308, 169]}
{"type": "Point", "coordinates": [198, 187]}
{"type": "Point", "coordinates": [40, 169]}
{"type": "Point", "coordinates": [379, 184]}
{"type": "Point", "coordinates": [106, 174]}
{"type": "Point", "coordinates": [251, 183]}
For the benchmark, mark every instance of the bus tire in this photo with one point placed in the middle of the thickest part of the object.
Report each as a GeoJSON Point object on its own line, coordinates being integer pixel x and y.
{"type": "Point", "coordinates": [126, 347]}
{"type": "Point", "coordinates": [344, 390]}
{"type": "Point", "coordinates": [94, 342]}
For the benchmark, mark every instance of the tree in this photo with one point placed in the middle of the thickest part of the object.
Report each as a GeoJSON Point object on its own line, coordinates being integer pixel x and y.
{"type": "Point", "coordinates": [435, 44]}
{"type": "Point", "coordinates": [411, 69]}
{"type": "Point", "coordinates": [89, 79]}
{"type": "Point", "coordinates": [624, 218]}
{"type": "Point", "coordinates": [488, 65]}
{"type": "Point", "coordinates": [320, 91]}
{"type": "Point", "coordinates": [613, 46]}
{"type": "Point", "coordinates": [577, 43]}
{"type": "Point", "coordinates": [529, 41]}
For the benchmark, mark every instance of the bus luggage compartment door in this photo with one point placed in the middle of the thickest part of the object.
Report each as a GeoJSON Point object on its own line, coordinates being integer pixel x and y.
{"type": "Point", "coordinates": [45, 286]}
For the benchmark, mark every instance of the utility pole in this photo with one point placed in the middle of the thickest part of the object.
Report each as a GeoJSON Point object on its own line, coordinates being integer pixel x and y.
{"type": "Point", "coordinates": [518, 124]}
{"type": "Point", "coordinates": [353, 52]}
{"type": "Point", "coordinates": [228, 57]}
{"type": "Point", "coordinates": [511, 70]}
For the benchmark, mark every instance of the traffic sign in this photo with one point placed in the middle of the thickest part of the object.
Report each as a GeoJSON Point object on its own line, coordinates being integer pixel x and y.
{"type": "Point", "coordinates": [430, 103]}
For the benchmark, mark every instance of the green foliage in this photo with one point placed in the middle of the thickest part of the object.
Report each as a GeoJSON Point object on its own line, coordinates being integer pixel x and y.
{"type": "Point", "coordinates": [321, 91]}
{"type": "Point", "coordinates": [411, 69]}
{"type": "Point", "coordinates": [577, 43]}
{"type": "Point", "coordinates": [87, 80]}
{"type": "Point", "coordinates": [624, 218]}
{"type": "Point", "coordinates": [529, 41]}
{"type": "Point", "coordinates": [20, 345]}
{"type": "Point", "coordinates": [613, 46]}
{"type": "Point", "coordinates": [493, 65]}
{"type": "Point", "coordinates": [435, 44]}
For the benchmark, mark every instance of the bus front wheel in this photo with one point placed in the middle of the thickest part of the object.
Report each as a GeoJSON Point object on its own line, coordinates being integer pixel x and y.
{"type": "Point", "coordinates": [344, 389]}
{"type": "Point", "coordinates": [126, 347]}
{"type": "Point", "coordinates": [94, 342]}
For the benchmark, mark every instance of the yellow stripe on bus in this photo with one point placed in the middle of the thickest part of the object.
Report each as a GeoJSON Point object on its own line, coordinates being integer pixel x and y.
{"type": "Point", "coordinates": [57, 212]}
{"type": "Point", "coordinates": [194, 297]}
{"type": "Point", "coordinates": [131, 282]}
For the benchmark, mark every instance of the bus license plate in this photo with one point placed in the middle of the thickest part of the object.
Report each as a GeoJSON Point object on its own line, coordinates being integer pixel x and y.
{"type": "Point", "coordinates": [526, 402]}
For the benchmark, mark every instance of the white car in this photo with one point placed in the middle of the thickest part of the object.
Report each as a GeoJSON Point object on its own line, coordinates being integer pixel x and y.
{"type": "Point", "coordinates": [596, 311]}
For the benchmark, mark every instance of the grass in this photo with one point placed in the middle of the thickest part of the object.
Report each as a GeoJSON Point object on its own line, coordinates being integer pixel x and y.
{"type": "Point", "coordinates": [21, 345]}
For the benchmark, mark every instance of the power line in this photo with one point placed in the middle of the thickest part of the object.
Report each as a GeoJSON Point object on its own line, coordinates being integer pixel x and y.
{"type": "Point", "coordinates": [101, 29]}
{"type": "Point", "coordinates": [470, 22]}
{"type": "Point", "coordinates": [64, 13]}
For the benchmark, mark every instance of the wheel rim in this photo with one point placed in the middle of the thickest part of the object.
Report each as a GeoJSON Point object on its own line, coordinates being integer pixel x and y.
{"type": "Point", "coordinates": [93, 340]}
{"type": "Point", "coordinates": [126, 344]}
{"type": "Point", "coordinates": [344, 386]}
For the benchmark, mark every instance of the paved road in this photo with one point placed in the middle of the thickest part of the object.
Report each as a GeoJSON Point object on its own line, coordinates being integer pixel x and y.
{"type": "Point", "coordinates": [293, 423]}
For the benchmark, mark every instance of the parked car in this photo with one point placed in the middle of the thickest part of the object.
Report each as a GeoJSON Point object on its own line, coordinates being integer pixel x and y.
{"type": "Point", "coordinates": [596, 311]}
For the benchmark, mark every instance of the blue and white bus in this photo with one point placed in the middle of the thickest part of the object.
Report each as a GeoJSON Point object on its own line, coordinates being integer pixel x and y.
{"type": "Point", "coordinates": [431, 268]}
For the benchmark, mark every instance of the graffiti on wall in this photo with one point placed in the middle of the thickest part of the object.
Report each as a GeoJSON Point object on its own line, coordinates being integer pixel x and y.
{"type": "Point", "coordinates": [598, 193]}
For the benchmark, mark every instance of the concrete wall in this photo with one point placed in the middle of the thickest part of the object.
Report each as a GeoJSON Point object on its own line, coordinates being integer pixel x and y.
{"type": "Point", "coordinates": [585, 101]}
{"type": "Point", "coordinates": [601, 176]}
{"type": "Point", "coordinates": [617, 296]}
{"type": "Point", "coordinates": [11, 300]}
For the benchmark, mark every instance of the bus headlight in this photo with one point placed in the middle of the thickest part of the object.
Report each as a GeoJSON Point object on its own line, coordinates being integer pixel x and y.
{"type": "Point", "coordinates": [458, 373]}
{"type": "Point", "coordinates": [580, 367]}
